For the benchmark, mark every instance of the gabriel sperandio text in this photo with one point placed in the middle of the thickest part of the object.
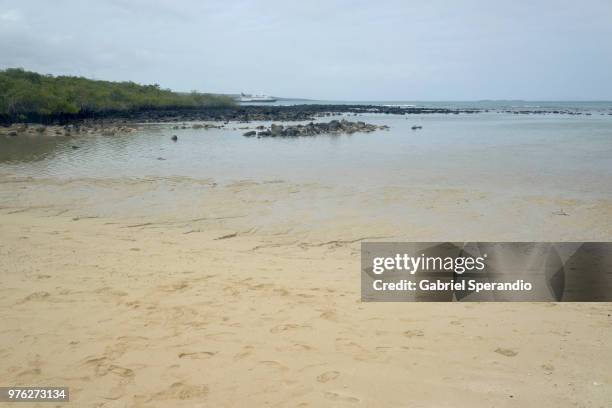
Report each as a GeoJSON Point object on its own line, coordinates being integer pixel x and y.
{"type": "Point", "coordinates": [438, 285]}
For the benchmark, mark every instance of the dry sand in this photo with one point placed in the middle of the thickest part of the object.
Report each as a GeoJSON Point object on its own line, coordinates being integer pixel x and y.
{"type": "Point", "coordinates": [247, 294]}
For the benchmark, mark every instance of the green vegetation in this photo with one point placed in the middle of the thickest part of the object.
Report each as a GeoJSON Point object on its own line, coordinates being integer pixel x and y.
{"type": "Point", "coordinates": [24, 93]}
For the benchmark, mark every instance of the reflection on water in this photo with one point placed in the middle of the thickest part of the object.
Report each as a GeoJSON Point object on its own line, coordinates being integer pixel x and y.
{"type": "Point", "coordinates": [28, 149]}
{"type": "Point", "coordinates": [509, 152]}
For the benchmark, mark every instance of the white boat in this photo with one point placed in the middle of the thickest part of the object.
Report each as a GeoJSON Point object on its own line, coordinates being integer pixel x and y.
{"type": "Point", "coordinates": [256, 98]}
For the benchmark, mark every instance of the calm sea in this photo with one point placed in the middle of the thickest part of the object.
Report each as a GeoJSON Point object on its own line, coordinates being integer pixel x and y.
{"type": "Point", "coordinates": [577, 106]}
{"type": "Point", "coordinates": [564, 155]}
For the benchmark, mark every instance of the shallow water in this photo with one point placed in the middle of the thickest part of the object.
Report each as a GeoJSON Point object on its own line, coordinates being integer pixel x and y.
{"type": "Point", "coordinates": [500, 105]}
{"type": "Point", "coordinates": [558, 154]}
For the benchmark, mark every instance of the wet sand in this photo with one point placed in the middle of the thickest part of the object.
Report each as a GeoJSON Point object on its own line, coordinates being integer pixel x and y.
{"type": "Point", "coordinates": [187, 292]}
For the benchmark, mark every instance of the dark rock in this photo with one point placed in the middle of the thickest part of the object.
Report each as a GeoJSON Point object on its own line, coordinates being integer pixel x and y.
{"type": "Point", "coordinates": [174, 138]}
{"type": "Point", "coordinates": [335, 126]}
{"type": "Point", "coordinates": [291, 131]}
{"type": "Point", "coordinates": [237, 113]}
{"type": "Point", "coordinates": [12, 133]}
{"type": "Point", "coordinates": [276, 130]}
{"type": "Point", "coordinates": [75, 147]}
{"type": "Point", "coordinates": [251, 133]}
{"type": "Point", "coordinates": [206, 126]}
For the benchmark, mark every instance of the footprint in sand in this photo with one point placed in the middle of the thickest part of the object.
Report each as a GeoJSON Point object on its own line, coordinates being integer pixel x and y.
{"type": "Point", "coordinates": [548, 368]}
{"type": "Point", "coordinates": [353, 349]}
{"type": "Point", "coordinates": [340, 397]}
{"type": "Point", "coordinates": [506, 352]}
{"type": "Point", "coordinates": [133, 304]}
{"type": "Point", "coordinates": [180, 390]}
{"type": "Point", "coordinates": [196, 355]}
{"type": "Point", "coordinates": [30, 373]}
{"type": "Point", "coordinates": [273, 364]}
{"type": "Point", "coordinates": [329, 315]}
{"type": "Point", "coordinates": [248, 350]}
{"type": "Point", "coordinates": [284, 327]}
{"type": "Point", "coordinates": [34, 297]}
{"type": "Point", "coordinates": [282, 291]}
{"type": "Point", "coordinates": [328, 376]}
{"type": "Point", "coordinates": [107, 290]}
{"type": "Point", "coordinates": [175, 287]}
{"type": "Point", "coordinates": [300, 347]}
{"type": "Point", "coordinates": [121, 371]}
{"type": "Point", "coordinates": [414, 333]}
{"type": "Point", "coordinates": [102, 366]}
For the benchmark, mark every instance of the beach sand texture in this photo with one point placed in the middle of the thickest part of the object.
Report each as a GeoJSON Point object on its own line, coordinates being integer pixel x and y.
{"type": "Point", "coordinates": [247, 294]}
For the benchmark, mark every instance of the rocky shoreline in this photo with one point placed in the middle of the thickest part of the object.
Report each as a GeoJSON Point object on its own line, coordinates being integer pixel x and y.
{"type": "Point", "coordinates": [79, 129]}
{"type": "Point", "coordinates": [109, 123]}
{"type": "Point", "coordinates": [242, 114]}
{"type": "Point", "coordinates": [311, 129]}
{"type": "Point", "coordinates": [249, 113]}
{"type": "Point", "coordinates": [112, 129]}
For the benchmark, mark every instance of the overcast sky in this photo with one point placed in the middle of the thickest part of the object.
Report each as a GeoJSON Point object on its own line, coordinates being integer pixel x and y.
{"type": "Point", "coordinates": [350, 50]}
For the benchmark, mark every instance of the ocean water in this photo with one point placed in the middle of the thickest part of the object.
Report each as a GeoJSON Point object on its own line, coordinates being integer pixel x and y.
{"type": "Point", "coordinates": [563, 155]}
{"type": "Point", "coordinates": [576, 106]}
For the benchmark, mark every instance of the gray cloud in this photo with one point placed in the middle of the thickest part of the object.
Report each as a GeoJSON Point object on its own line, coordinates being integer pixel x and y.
{"type": "Point", "coordinates": [387, 50]}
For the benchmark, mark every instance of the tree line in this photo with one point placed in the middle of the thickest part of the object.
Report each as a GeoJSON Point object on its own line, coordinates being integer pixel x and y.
{"type": "Point", "coordinates": [25, 93]}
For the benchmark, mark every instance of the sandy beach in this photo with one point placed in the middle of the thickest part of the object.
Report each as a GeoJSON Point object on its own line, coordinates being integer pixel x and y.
{"type": "Point", "coordinates": [246, 204]}
{"type": "Point", "coordinates": [243, 293]}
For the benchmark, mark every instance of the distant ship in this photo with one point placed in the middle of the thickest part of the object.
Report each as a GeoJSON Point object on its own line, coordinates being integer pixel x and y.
{"type": "Point", "coordinates": [256, 98]}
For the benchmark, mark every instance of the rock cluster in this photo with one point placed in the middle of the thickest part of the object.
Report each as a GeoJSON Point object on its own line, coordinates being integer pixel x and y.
{"type": "Point", "coordinates": [82, 128]}
{"type": "Point", "coordinates": [198, 126]}
{"type": "Point", "coordinates": [246, 113]}
{"type": "Point", "coordinates": [252, 113]}
{"type": "Point", "coordinates": [249, 113]}
{"type": "Point", "coordinates": [335, 126]}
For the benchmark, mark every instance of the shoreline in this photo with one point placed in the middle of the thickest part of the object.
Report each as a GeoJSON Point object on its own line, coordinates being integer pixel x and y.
{"type": "Point", "coordinates": [122, 123]}
{"type": "Point", "coordinates": [249, 113]}
{"type": "Point", "coordinates": [239, 113]}
{"type": "Point", "coordinates": [111, 129]}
